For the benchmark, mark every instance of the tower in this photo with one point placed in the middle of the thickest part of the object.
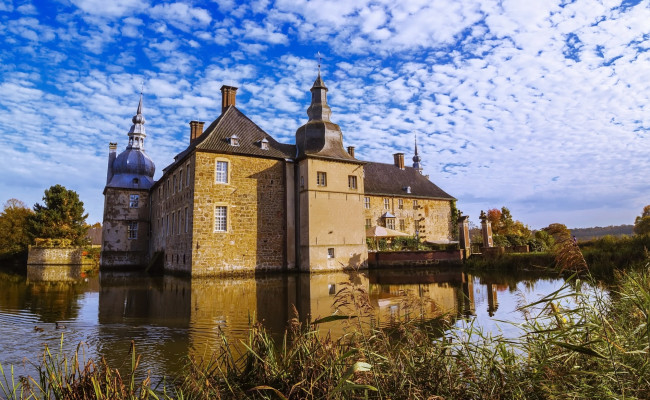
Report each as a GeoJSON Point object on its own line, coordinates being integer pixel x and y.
{"type": "Point", "coordinates": [125, 230]}
{"type": "Point", "coordinates": [329, 193]}
{"type": "Point", "coordinates": [416, 158]}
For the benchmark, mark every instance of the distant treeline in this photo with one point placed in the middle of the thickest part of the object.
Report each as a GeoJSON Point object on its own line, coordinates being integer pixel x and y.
{"type": "Point", "coordinates": [598, 232]}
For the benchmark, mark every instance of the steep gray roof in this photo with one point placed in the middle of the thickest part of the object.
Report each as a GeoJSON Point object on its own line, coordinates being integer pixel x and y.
{"type": "Point", "coordinates": [387, 179]}
{"type": "Point", "coordinates": [232, 121]}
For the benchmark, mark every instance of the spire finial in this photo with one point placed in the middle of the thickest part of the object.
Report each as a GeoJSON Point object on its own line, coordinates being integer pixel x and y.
{"type": "Point", "coordinates": [319, 61]}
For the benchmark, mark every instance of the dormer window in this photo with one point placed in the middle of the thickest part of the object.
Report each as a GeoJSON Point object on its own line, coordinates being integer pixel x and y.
{"type": "Point", "coordinates": [264, 144]}
{"type": "Point", "coordinates": [407, 189]}
{"type": "Point", "coordinates": [234, 140]}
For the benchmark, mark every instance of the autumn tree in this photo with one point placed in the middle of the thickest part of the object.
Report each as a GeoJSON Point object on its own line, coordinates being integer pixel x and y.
{"type": "Point", "coordinates": [642, 223]}
{"type": "Point", "coordinates": [13, 228]}
{"type": "Point", "coordinates": [62, 216]}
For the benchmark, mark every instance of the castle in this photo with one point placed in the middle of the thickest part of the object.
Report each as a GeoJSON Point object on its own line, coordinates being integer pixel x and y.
{"type": "Point", "coordinates": [237, 201]}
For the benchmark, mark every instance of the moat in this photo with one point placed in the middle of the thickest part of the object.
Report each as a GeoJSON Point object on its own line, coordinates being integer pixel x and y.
{"type": "Point", "coordinates": [171, 317]}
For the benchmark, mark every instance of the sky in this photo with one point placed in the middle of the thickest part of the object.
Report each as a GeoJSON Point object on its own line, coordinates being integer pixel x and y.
{"type": "Point", "coordinates": [541, 106]}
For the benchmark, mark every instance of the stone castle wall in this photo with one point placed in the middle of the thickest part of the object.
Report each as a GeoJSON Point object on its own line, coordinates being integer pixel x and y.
{"type": "Point", "coordinates": [433, 216]}
{"type": "Point", "coordinates": [118, 251]}
{"type": "Point", "coordinates": [254, 197]}
{"type": "Point", "coordinates": [172, 216]}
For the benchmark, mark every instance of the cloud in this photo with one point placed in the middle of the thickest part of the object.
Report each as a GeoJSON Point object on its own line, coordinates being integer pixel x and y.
{"type": "Point", "coordinates": [181, 15]}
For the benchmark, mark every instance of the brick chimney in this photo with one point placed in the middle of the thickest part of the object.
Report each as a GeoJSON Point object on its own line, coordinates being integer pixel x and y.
{"type": "Point", "coordinates": [399, 160]}
{"type": "Point", "coordinates": [228, 94]}
{"type": "Point", "coordinates": [351, 151]}
{"type": "Point", "coordinates": [196, 130]}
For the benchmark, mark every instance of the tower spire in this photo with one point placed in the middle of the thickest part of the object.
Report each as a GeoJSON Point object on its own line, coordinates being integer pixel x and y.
{"type": "Point", "coordinates": [137, 131]}
{"type": "Point", "coordinates": [416, 157]}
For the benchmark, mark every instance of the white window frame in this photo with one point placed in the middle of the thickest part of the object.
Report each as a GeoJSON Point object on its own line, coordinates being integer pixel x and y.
{"type": "Point", "coordinates": [366, 202]}
{"type": "Point", "coordinates": [330, 253]}
{"type": "Point", "coordinates": [134, 200]}
{"type": "Point", "coordinates": [352, 182]}
{"type": "Point", "coordinates": [415, 204]}
{"type": "Point", "coordinates": [390, 223]}
{"type": "Point", "coordinates": [400, 204]}
{"type": "Point", "coordinates": [220, 218]}
{"type": "Point", "coordinates": [221, 176]}
{"type": "Point", "coordinates": [321, 178]}
{"type": "Point", "coordinates": [386, 203]}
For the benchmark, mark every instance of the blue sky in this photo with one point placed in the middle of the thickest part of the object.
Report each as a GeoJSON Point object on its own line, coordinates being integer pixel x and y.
{"type": "Point", "coordinates": [541, 106]}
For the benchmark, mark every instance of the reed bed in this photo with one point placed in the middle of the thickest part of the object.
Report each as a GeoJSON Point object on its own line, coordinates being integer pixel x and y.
{"type": "Point", "coordinates": [580, 342]}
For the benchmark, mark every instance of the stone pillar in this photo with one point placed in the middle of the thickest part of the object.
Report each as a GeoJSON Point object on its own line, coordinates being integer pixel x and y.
{"type": "Point", "coordinates": [486, 229]}
{"type": "Point", "coordinates": [463, 235]}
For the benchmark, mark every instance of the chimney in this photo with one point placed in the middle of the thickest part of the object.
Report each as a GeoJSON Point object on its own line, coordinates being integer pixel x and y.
{"type": "Point", "coordinates": [112, 153]}
{"type": "Point", "coordinates": [228, 94]}
{"type": "Point", "coordinates": [196, 130]}
{"type": "Point", "coordinates": [351, 151]}
{"type": "Point", "coordinates": [399, 160]}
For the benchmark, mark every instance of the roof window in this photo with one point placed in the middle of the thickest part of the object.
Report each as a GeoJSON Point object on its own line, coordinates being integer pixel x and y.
{"type": "Point", "coordinates": [264, 144]}
{"type": "Point", "coordinates": [234, 140]}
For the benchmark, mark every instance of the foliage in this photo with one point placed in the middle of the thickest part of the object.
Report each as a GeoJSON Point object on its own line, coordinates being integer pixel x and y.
{"type": "Point", "coordinates": [62, 216]}
{"type": "Point", "coordinates": [642, 223]}
{"type": "Point", "coordinates": [13, 223]}
{"type": "Point", "coordinates": [598, 231]}
{"type": "Point", "coordinates": [454, 214]}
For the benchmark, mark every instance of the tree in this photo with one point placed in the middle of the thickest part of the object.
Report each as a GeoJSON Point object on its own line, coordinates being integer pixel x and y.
{"type": "Point", "coordinates": [494, 217]}
{"type": "Point", "coordinates": [642, 223]}
{"type": "Point", "coordinates": [13, 228]}
{"type": "Point", "coordinates": [62, 216]}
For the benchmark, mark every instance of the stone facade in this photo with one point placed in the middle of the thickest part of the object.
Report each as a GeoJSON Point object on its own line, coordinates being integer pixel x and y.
{"type": "Point", "coordinates": [121, 247]}
{"type": "Point", "coordinates": [431, 218]}
{"type": "Point", "coordinates": [332, 236]}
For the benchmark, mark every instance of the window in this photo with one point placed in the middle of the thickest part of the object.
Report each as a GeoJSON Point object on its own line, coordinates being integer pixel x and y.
{"type": "Point", "coordinates": [132, 230]}
{"type": "Point", "coordinates": [321, 178]}
{"type": "Point", "coordinates": [180, 180]}
{"type": "Point", "coordinates": [415, 204]}
{"type": "Point", "coordinates": [187, 177]}
{"type": "Point", "coordinates": [366, 202]}
{"type": "Point", "coordinates": [220, 219]}
{"type": "Point", "coordinates": [221, 175]}
{"type": "Point", "coordinates": [352, 182]}
{"type": "Point", "coordinates": [386, 204]}
{"type": "Point", "coordinates": [390, 223]}
{"type": "Point", "coordinates": [187, 219]}
{"type": "Point", "coordinates": [133, 200]}
{"type": "Point", "coordinates": [400, 204]}
{"type": "Point", "coordinates": [174, 185]}
{"type": "Point", "coordinates": [180, 222]}
{"type": "Point", "coordinates": [171, 229]}
{"type": "Point", "coordinates": [331, 289]}
{"type": "Point", "coordinates": [264, 144]}
{"type": "Point", "coordinates": [302, 181]}
{"type": "Point", "coordinates": [167, 225]}
{"type": "Point", "coordinates": [417, 226]}
{"type": "Point", "coordinates": [330, 252]}
{"type": "Point", "coordinates": [234, 140]}
{"type": "Point", "coordinates": [368, 223]}
{"type": "Point", "coordinates": [402, 225]}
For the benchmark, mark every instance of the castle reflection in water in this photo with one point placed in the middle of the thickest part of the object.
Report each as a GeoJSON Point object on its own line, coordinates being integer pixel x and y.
{"type": "Point", "coordinates": [171, 317]}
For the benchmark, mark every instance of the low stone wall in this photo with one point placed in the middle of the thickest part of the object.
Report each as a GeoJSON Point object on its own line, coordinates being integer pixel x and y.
{"type": "Point", "coordinates": [386, 259]}
{"type": "Point", "coordinates": [54, 255]}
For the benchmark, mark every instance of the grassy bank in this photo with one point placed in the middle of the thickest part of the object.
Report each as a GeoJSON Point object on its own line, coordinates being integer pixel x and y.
{"type": "Point", "coordinates": [575, 343]}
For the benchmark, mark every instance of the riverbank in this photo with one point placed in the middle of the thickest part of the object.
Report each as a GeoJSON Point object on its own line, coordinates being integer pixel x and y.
{"type": "Point", "coordinates": [589, 348]}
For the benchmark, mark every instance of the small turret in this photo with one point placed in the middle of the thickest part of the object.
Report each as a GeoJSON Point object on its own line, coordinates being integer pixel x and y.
{"type": "Point", "coordinates": [416, 158]}
{"type": "Point", "coordinates": [112, 153]}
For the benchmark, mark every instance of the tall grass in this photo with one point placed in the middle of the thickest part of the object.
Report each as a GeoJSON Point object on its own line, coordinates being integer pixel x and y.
{"type": "Point", "coordinates": [579, 342]}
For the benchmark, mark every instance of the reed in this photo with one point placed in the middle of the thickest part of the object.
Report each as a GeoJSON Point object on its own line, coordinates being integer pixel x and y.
{"type": "Point", "coordinates": [581, 342]}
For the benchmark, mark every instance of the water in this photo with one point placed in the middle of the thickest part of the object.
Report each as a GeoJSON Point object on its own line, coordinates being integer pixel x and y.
{"type": "Point", "coordinates": [172, 317]}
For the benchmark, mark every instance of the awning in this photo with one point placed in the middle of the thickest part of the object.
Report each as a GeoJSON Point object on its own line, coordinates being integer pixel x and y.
{"type": "Point", "coordinates": [380, 231]}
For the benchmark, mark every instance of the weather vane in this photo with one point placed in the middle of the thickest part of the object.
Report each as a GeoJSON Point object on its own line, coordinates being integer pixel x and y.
{"type": "Point", "coordinates": [319, 60]}
{"type": "Point", "coordinates": [141, 87]}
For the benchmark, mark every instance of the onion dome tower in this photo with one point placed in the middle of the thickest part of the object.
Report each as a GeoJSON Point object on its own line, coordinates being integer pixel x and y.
{"type": "Point", "coordinates": [320, 137]}
{"type": "Point", "coordinates": [132, 168]}
{"type": "Point", "coordinates": [416, 158]}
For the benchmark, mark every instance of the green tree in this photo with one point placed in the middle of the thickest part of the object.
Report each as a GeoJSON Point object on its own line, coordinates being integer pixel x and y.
{"type": "Point", "coordinates": [13, 228]}
{"type": "Point", "coordinates": [62, 216]}
{"type": "Point", "coordinates": [642, 223]}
